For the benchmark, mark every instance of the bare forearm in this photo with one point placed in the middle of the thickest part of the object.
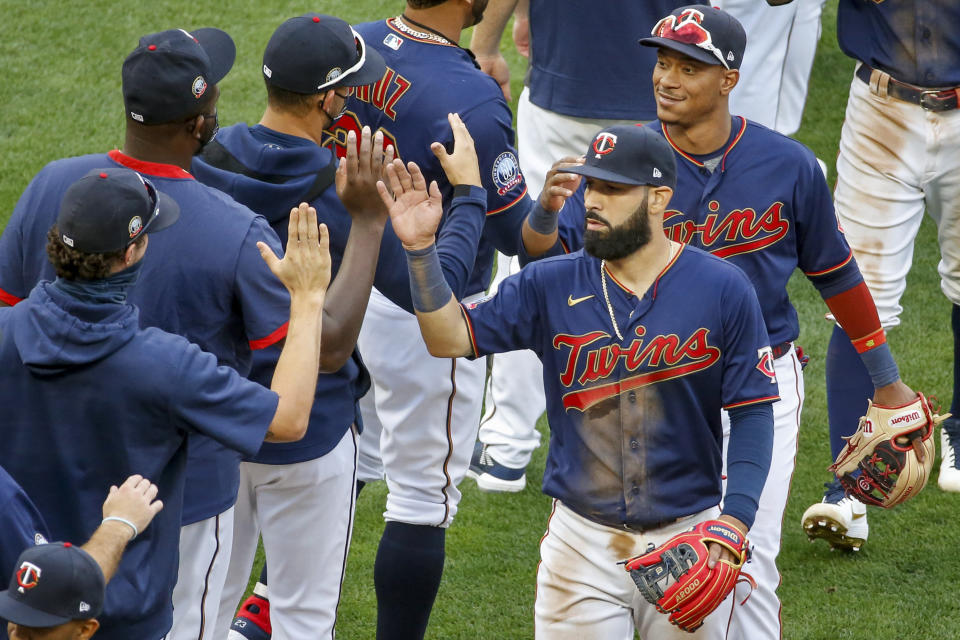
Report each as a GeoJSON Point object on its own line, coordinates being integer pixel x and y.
{"type": "Point", "coordinates": [348, 295]}
{"type": "Point", "coordinates": [107, 544]}
{"type": "Point", "coordinates": [486, 35]}
{"type": "Point", "coordinates": [295, 376]}
{"type": "Point", "coordinates": [445, 331]}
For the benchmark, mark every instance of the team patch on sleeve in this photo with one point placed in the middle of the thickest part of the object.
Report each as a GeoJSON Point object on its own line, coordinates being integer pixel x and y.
{"type": "Point", "coordinates": [506, 172]}
{"type": "Point", "coordinates": [765, 364]}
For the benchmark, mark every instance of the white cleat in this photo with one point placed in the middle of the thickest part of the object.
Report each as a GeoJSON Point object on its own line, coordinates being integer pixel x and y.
{"type": "Point", "coordinates": [949, 478]}
{"type": "Point", "coordinates": [838, 519]}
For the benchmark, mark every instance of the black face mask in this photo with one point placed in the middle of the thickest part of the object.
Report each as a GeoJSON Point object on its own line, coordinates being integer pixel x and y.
{"type": "Point", "coordinates": [619, 242]}
{"type": "Point", "coordinates": [210, 130]}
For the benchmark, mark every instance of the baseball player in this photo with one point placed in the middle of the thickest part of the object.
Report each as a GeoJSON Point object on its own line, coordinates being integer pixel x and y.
{"type": "Point", "coordinates": [575, 86]}
{"type": "Point", "coordinates": [107, 398]}
{"type": "Point", "coordinates": [898, 158]}
{"type": "Point", "coordinates": [634, 379]}
{"type": "Point", "coordinates": [280, 159]}
{"type": "Point", "coordinates": [420, 416]}
{"type": "Point", "coordinates": [768, 232]}
{"type": "Point", "coordinates": [208, 282]}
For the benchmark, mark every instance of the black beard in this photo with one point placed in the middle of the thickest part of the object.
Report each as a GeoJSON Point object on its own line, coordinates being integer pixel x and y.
{"type": "Point", "coordinates": [620, 241]}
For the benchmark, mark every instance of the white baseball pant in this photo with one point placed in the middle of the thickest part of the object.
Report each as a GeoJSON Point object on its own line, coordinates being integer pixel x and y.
{"type": "Point", "coordinates": [514, 399]}
{"type": "Point", "coordinates": [582, 591]}
{"type": "Point", "coordinates": [756, 614]}
{"type": "Point", "coordinates": [419, 417]}
{"type": "Point", "coordinates": [775, 73]}
{"type": "Point", "coordinates": [304, 512]}
{"type": "Point", "coordinates": [205, 549]}
{"type": "Point", "coordinates": [896, 161]}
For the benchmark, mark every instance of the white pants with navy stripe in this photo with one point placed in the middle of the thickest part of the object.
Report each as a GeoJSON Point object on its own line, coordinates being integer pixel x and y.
{"type": "Point", "coordinates": [582, 591]}
{"type": "Point", "coordinates": [419, 418]}
{"type": "Point", "coordinates": [756, 614]}
{"type": "Point", "coordinates": [205, 549]}
{"type": "Point", "coordinates": [304, 512]}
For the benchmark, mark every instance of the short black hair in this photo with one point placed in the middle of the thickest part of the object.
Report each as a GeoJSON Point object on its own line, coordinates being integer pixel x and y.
{"type": "Point", "coordinates": [289, 101]}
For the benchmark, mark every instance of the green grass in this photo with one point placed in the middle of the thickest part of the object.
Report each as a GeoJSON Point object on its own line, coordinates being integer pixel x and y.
{"type": "Point", "coordinates": [61, 97]}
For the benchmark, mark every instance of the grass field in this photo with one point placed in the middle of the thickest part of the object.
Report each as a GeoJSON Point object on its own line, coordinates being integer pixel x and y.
{"type": "Point", "coordinates": [61, 97]}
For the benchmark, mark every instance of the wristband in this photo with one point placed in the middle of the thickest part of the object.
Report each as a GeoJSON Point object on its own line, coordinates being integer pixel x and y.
{"type": "Point", "coordinates": [542, 221]}
{"type": "Point", "coordinates": [880, 365]}
{"type": "Point", "coordinates": [428, 288]}
{"type": "Point", "coordinates": [136, 531]}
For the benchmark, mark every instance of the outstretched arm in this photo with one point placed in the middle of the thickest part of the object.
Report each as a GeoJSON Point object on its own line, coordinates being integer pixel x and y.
{"type": "Point", "coordinates": [485, 42]}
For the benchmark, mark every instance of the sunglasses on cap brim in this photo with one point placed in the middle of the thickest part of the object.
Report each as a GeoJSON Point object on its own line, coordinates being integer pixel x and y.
{"type": "Point", "coordinates": [688, 31]}
{"type": "Point", "coordinates": [361, 52]}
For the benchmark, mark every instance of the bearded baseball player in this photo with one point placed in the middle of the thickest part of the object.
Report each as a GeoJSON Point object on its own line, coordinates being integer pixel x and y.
{"type": "Point", "coordinates": [766, 232]}
{"type": "Point", "coordinates": [898, 159]}
{"type": "Point", "coordinates": [634, 387]}
{"type": "Point", "coordinates": [420, 416]}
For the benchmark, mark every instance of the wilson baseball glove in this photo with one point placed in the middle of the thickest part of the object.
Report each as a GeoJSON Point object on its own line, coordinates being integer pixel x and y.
{"type": "Point", "coordinates": [675, 578]}
{"type": "Point", "coordinates": [878, 465]}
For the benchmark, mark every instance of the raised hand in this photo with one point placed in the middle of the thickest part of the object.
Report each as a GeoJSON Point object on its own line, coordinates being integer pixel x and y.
{"type": "Point", "coordinates": [357, 177]}
{"type": "Point", "coordinates": [560, 185]}
{"type": "Point", "coordinates": [415, 212]}
{"type": "Point", "coordinates": [461, 166]}
{"type": "Point", "coordinates": [305, 267]}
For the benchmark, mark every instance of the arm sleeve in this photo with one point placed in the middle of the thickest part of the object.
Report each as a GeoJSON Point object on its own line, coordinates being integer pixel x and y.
{"type": "Point", "coordinates": [217, 402]}
{"type": "Point", "coordinates": [262, 298]}
{"type": "Point", "coordinates": [748, 460]}
{"type": "Point", "coordinates": [570, 227]}
{"type": "Point", "coordinates": [510, 319]}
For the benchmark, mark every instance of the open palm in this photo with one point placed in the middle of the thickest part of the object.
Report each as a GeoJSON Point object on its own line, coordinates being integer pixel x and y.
{"type": "Point", "coordinates": [414, 211]}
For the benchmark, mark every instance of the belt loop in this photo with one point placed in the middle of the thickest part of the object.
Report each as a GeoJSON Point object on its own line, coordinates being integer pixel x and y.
{"type": "Point", "coordinates": [879, 81]}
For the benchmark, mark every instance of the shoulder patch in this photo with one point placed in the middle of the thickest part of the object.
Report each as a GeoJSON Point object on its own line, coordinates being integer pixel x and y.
{"type": "Point", "coordinates": [506, 172]}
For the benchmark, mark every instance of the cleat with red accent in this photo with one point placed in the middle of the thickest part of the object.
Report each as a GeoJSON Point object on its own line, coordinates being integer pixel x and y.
{"type": "Point", "coordinates": [252, 621]}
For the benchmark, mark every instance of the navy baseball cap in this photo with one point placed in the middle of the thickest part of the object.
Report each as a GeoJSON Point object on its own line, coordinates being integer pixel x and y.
{"type": "Point", "coordinates": [630, 154]}
{"type": "Point", "coordinates": [51, 585]}
{"type": "Point", "coordinates": [169, 72]}
{"type": "Point", "coordinates": [312, 53]}
{"type": "Point", "coordinates": [108, 209]}
{"type": "Point", "coordinates": [704, 33]}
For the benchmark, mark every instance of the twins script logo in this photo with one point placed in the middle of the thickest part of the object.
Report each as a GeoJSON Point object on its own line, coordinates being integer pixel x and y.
{"type": "Point", "coordinates": [664, 357]}
{"type": "Point", "coordinates": [739, 231]}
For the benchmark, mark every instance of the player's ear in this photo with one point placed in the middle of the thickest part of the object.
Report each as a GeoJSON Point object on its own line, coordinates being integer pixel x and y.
{"type": "Point", "coordinates": [658, 198]}
{"type": "Point", "coordinates": [326, 100]}
{"type": "Point", "coordinates": [87, 628]}
{"type": "Point", "coordinates": [194, 126]}
{"type": "Point", "coordinates": [730, 79]}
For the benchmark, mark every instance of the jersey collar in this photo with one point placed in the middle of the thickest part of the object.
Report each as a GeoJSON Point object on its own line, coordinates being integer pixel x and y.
{"type": "Point", "coordinates": [733, 142]}
{"type": "Point", "coordinates": [155, 169]}
{"type": "Point", "coordinates": [656, 281]}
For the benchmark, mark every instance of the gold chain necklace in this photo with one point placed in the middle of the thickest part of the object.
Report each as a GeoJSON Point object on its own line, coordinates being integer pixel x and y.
{"type": "Point", "coordinates": [606, 298]}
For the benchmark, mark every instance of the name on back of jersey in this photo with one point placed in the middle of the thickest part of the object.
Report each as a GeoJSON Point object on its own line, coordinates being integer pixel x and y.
{"type": "Point", "coordinates": [385, 93]}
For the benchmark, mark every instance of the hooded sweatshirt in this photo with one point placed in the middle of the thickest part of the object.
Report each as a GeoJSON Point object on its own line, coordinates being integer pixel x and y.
{"type": "Point", "coordinates": [89, 399]}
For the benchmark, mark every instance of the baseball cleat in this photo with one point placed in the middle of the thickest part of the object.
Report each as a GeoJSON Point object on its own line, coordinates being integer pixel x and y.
{"type": "Point", "coordinates": [491, 475]}
{"type": "Point", "coordinates": [252, 621]}
{"type": "Point", "coordinates": [949, 478]}
{"type": "Point", "coordinates": [838, 519]}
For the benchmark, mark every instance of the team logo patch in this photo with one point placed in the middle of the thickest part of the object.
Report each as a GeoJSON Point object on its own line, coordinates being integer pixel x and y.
{"type": "Point", "coordinates": [28, 575]}
{"type": "Point", "coordinates": [765, 366]}
{"type": "Point", "coordinates": [135, 226]}
{"type": "Point", "coordinates": [393, 41]}
{"type": "Point", "coordinates": [333, 74]}
{"type": "Point", "coordinates": [506, 172]}
{"type": "Point", "coordinates": [199, 86]}
{"type": "Point", "coordinates": [604, 143]}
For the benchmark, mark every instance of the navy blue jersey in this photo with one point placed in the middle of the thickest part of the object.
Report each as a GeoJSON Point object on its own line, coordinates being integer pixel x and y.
{"type": "Point", "coordinates": [915, 41]}
{"type": "Point", "coordinates": [425, 80]}
{"type": "Point", "coordinates": [21, 526]}
{"type": "Point", "coordinates": [89, 399]}
{"type": "Point", "coordinates": [766, 208]}
{"type": "Point", "coordinates": [203, 279]}
{"type": "Point", "coordinates": [585, 60]}
{"type": "Point", "coordinates": [282, 169]}
{"type": "Point", "coordinates": [635, 434]}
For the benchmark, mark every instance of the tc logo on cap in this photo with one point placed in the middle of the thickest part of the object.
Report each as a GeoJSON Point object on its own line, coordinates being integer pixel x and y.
{"type": "Point", "coordinates": [604, 143]}
{"type": "Point", "coordinates": [27, 576]}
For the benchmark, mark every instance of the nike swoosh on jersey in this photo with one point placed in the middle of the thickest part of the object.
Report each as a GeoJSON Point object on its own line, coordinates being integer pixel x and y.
{"type": "Point", "coordinates": [573, 301]}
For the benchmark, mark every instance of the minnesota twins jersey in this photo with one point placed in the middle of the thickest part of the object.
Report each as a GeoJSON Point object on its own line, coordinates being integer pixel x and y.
{"type": "Point", "coordinates": [203, 279]}
{"type": "Point", "coordinates": [635, 434]}
{"type": "Point", "coordinates": [427, 77]}
{"type": "Point", "coordinates": [915, 42]}
{"type": "Point", "coordinates": [21, 525]}
{"type": "Point", "coordinates": [587, 48]}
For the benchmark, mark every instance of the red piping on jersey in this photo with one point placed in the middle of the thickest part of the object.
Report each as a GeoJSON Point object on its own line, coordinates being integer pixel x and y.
{"type": "Point", "coordinates": [155, 169]}
{"type": "Point", "coordinates": [273, 338]}
{"type": "Point", "coordinates": [749, 402]}
{"type": "Point", "coordinates": [723, 161]}
{"type": "Point", "coordinates": [656, 281]}
{"type": "Point", "coordinates": [814, 274]}
{"type": "Point", "coordinates": [473, 338]}
{"type": "Point", "coordinates": [9, 298]}
{"type": "Point", "coordinates": [504, 208]}
{"type": "Point", "coordinates": [408, 36]}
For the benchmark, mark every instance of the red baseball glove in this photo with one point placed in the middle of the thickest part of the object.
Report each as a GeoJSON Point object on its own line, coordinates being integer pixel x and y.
{"type": "Point", "coordinates": [696, 590]}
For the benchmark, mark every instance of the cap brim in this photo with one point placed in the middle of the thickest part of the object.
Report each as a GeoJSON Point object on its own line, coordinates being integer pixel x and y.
{"type": "Point", "coordinates": [691, 50]}
{"type": "Point", "coordinates": [19, 613]}
{"type": "Point", "coordinates": [603, 174]}
{"type": "Point", "coordinates": [219, 48]}
{"type": "Point", "coordinates": [168, 214]}
{"type": "Point", "coordinates": [372, 70]}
